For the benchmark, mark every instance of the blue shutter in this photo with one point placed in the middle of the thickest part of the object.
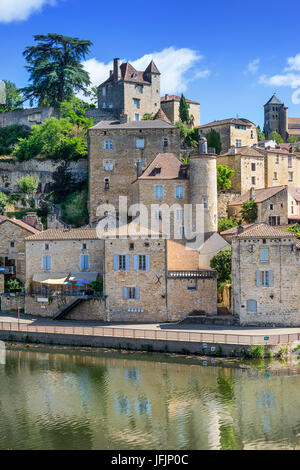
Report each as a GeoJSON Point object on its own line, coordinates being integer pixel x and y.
{"type": "Point", "coordinates": [258, 278]}
{"type": "Point", "coordinates": [271, 278]}
{"type": "Point", "coordinates": [137, 292]}
{"type": "Point", "coordinates": [115, 262]}
{"type": "Point", "coordinates": [264, 254]}
{"type": "Point", "coordinates": [45, 262]}
{"type": "Point", "coordinates": [82, 262]}
{"type": "Point", "coordinates": [127, 262]}
{"type": "Point", "coordinates": [86, 261]}
{"type": "Point", "coordinates": [124, 293]}
{"type": "Point", "coordinates": [135, 262]}
{"type": "Point", "coordinates": [251, 306]}
{"type": "Point", "coordinates": [147, 262]}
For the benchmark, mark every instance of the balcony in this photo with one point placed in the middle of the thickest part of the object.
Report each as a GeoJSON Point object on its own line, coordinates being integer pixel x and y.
{"type": "Point", "coordinates": [7, 270]}
{"type": "Point", "coordinates": [200, 274]}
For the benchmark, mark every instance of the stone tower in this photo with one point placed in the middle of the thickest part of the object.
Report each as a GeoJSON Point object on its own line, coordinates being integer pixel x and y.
{"type": "Point", "coordinates": [275, 117]}
{"type": "Point", "coordinates": [203, 185]}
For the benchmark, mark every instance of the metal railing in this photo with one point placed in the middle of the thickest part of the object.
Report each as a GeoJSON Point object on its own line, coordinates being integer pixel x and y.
{"type": "Point", "coordinates": [150, 334]}
{"type": "Point", "coordinates": [204, 274]}
{"type": "Point", "coordinates": [7, 270]}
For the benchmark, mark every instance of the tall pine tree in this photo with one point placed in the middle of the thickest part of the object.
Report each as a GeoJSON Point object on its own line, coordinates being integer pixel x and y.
{"type": "Point", "coordinates": [184, 110]}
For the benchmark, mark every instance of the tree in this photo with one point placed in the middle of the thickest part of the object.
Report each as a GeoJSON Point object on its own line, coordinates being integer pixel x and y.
{"type": "Point", "coordinates": [3, 202]}
{"type": "Point", "coordinates": [53, 140]}
{"type": "Point", "coordinates": [13, 98]}
{"type": "Point", "coordinates": [148, 117]}
{"type": "Point", "coordinates": [294, 138]}
{"type": "Point", "coordinates": [224, 175]}
{"type": "Point", "coordinates": [74, 110]}
{"type": "Point", "coordinates": [55, 68]}
{"type": "Point", "coordinates": [277, 137]}
{"type": "Point", "coordinates": [249, 211]}
{"type": "Point", "coordinates": [29, 184]}
{"type": "Point", "coordinates": [260, 134]}
{"type": "Point", "coordinates": [184, 110]}
{"type": "Point", "coordinates": [63, 182]}
{"type": "Point", "coordinates": [214, 140]}
{"type": "Point", "coordinates": [189, 137]}
{"type": "Point", "coordinates": [222, 263]}
{"type": "Point", "coordinates": [225, 224]}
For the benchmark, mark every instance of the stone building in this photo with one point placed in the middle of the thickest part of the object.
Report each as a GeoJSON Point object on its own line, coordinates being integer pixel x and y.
{"type": "Point", "coordinates": [233, 132]}
{"type": "Point", "coordinates": [55, 255]}
{"type": "Point", "coordinates": [266, 276]}
{"type": "Point", "coordinates": [278, 205]}
{"type": "Point", "coordinates": [13, 233]}
{"type": "Point", "coordinates": [129, 91]}
{"type": "Point", "coordinates": [282, 167]}
{"type": "Point", "coordinates": [118, 151]}
{"type": "Point", "coordinates": [276, 119]}
{"type": "Point", "coordinates": [170, 105]}
{"type": "Point", "coordinates": [27, 117]}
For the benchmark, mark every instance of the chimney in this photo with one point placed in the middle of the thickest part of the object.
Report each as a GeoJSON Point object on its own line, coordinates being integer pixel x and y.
{"type": "Point", "coordinates": [110, 73]}
{"type": "Point", "coordinates": [32, 219]}
{"type": "Point", "coordinates": [117, 71]}
{"type": "Point", "coordinates": [166, 96]}
{"type": "Point", "coordinates": [203, 145]}
{"type": "Point", "coordinates": [123, 118]}
{"type": "Point", "coordinates": [252, 194]}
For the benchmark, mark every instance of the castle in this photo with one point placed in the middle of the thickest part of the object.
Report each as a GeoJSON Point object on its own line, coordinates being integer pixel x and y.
{"type": "Point", "coordinates": [276, 119]}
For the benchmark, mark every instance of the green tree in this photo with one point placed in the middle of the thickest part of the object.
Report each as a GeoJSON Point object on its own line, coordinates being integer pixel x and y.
{"type": "Point", "coordinates": [224, 175]}
{"type": "Point", "coordinates": [29, 184]}
{"type": "Point", "coordinates": [184, 110]}
{"type": "Point", "coordinates": [74, 110]}
{"type": "Point", "coordinates": [189, 137]}
{"type": "Point", "coordinates": [225, 224]}
{"type": "Point", "coordinates": [260, 134]}
{"type": "Point", "coordinates": [55, 68]}
{"type": "Point", "coordinates": [214, 140]}
{"type": "Point", "coordinates": [222, 263]}
{"type": "Point", "coordinates": [249, 211]}
{"type": "Point", "coordinates": [53, 140]}
{"type": "Point", "coordinates": [148, 117]}
{"type": "Point", "coordinates": [63, 183]}
{"type": "Point", "coordinates": [3, 202]}
{"type": "Point", "coordinates": [14, 98]}
{"type": "Point", "coordinates": [9, 136]}
{"type": "Point", "coordinates": [277, 137]}
{"type": "Point", "coordinates": [294, 138]}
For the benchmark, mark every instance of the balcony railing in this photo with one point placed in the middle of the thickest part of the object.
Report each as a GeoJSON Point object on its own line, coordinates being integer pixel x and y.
{"type": "Point", "coordinates": [7, 270]}
{"type": "Point", "coordinates": [201, 274]}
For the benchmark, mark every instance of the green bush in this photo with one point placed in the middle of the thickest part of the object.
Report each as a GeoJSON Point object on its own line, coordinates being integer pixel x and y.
{"type": "Point", "coordinates": [222, 263]}
{"type": "Point", "coordinates": [74, 210]}
{"type": "Point", "coordinates": [257, 352]}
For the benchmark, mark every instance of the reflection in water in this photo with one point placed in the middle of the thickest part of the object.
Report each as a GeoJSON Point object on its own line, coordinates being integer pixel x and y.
{"type": "Point", "coordinates": [113, 401]}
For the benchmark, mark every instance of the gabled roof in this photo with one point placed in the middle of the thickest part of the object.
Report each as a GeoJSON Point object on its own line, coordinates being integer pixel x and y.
{"type": "Point", "coordinates": [20, 224]}
{"type": "Point", "coordinates": [266, 231]}
{"type": "Point", "coordinates": [274, 100]}
{"type": "Point", "coordinates": [129, 73]}
{"type": "Point", "coordinates": [240, 122]}
{"type": "Point", "coordinates": [247, 151]}
{"type": "Point", "coordinates": [165, 166]}
{"type": "Point", "coordinates": [66, 234]}
{"type": "Point", "coordinates": [152, 68]}
{"type": "Point", "coordinates": [176, 98]}
{"type": "Point", "coordinates": [143, 124]}
{"type": "Point", "coordinates": [260, 195]}
{"type": "Point", "coordinates": [160, 115]}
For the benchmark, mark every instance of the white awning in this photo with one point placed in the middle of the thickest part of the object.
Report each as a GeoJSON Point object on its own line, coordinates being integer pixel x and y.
{"type": "Point", "coordinates": [51, 278]}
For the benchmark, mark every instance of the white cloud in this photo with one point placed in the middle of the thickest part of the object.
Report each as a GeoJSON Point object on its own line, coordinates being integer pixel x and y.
{"type": "Point", "coordinates": [20, 10]}
{"type": "Point", "coordinates": [172, 63]}
{"type": "Point", "coordinates": [252, 67]}
{"type": "Point", "coordinates": [290, 78]}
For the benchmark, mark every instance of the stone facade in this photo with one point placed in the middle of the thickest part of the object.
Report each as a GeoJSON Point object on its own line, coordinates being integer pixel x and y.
{"type": "Point", "coordinates": [233, 132]}
{"type": "Point", "coordinates": [224, 200]}
{"type": "Point", "coordinates": [113, 165]}
{"type": "Point", "coordinates": [276, 119]}
{"type": "Point", "coordinates": [27, 117]}
{"type": "Point", "coordinates": [170, 106]}
{"type": "Point", "coordinates": [48, 306]}
{"type": "Point", "coordinates": [272, 298]}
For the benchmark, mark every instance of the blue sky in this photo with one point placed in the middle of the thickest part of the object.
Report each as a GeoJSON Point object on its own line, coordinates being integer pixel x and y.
{"type": "Point", "coordinates": [229, 56]}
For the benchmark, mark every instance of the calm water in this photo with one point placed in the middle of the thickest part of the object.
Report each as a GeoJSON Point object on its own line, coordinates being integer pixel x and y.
{"type": "Point", "coordinates": [73, 400]}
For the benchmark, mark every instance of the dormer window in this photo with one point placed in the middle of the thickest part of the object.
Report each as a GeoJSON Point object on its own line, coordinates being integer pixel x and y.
{"type": "Point", "coordinates": [134, 75]}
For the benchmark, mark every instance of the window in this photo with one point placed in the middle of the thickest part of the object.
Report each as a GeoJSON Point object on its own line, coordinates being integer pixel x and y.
{"type": "Point", "coordinates": [277, 159]}
{"type": "Point", "coordinates": [179, 192]}
{"type": "Point", "coordinates": [141, 262]}
{"type": "Point", "coordinates": [238, 143]}
{"type": "Point", "coordinates": [264, 254]}
{"type": "Point", "coordinates": [253, 180]}
{"type": "Point", "coordinates": [84, 246]}
{"type": "Point", "coordinates": [264, 278]}
{"type": "Point", "coordinates": [84, 261]}
{"type": "Point", "coordinates": [121, 262]}
{"type": "Point", "coordinates": [139, 88]}
{"type": "Point", "coordinates": [253, 166]}
{"type": "Point", "coordinates": [104, 105]}
{"type": "Point", "coordinates": [290, 162]}
{"type": "Point", "coordinates": [136, 117]}
{"type": "Point", "coordinates": [166, 142]}
{"type": "Point", "coordinates": [108, 145]}
{"type": "Point", "coordinates": [274, 220]}
{"type": "Point", "coordinates": [275, 175]}
{"type": "Point", "coordinates": [159, 192]}
{"type": "Point", "coordinates": [12, 244]}
{"type": "Point", "coordinates": [136, 103]}
{"type": "Point", "coordinates": [205, 202]}
{"type": "Point", "coordinates": [290, 176]}
{"type": "Point", "coordinates": [134, 75]}
{"type": "Point", "coordinates": [271, 207]}
{"type": "Point", "coordinates": [106, 184]}
{"type": "Point", "coordinates": [47, 262]}
{"type": "Point", "coordinates": [103, 91]}
{"type": "Point", "coordinates": [251, 306]}
{"type": "Point", "coordinates": [179, 215]}
{"type": "Point", "coordinates": [140, 143]}
{"type": "Point", "coordinates": [252, 134]}
{"type": "Point", "coordinates": [131, 246]}
{"type": "Point", "coordinates": [108, 165]}
{"type": "Point", "coordinates": [46, 246]}
{"type": "Point", "coordinates": [131, 293]}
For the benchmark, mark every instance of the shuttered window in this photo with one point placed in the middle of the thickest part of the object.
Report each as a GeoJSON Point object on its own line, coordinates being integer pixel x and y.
{"type": "Point", "coordinates": [264, 254]}
{"type": "Point", "coordinates": [47, 262]}
{"type": "Point", "coordinates": [264, 278]}
{"type": "Point", "coordinates": [131, 293]}
{"type": "Point", "coordinates": [251, 306]}
{"type": "Point", "coordinates": [84, 262]}
{"type": "Point", "coordinates": [121, 262]}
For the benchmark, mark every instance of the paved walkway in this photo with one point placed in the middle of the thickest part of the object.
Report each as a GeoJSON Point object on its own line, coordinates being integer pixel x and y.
{"type": "Point", "coordinates": [226, 330]}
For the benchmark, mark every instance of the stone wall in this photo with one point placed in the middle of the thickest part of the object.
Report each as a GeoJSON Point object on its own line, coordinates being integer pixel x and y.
{"type": "Point", "coordinates": [11, 303]}
{"type": "Point", "coordinates": [12, 171]}
{"type": "Point", "coordinates": [224, 199]}
{"type": "Point", "coordinates": [171, 109]}
{"type": "Point", "coordinates": [27, 117]}
{"type": "Point", "coordinates": [92, 310]}
{"type": "Point", "coordinates": [229, 134]}
{"type": "Point", "coordinates": [44, 305]}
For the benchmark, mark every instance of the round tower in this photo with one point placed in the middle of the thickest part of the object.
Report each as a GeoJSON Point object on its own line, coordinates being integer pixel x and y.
{"type": "Point", "coordinates": [203, 185]}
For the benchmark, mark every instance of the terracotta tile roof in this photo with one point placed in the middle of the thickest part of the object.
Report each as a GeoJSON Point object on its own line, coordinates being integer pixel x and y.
{"type": "Point", "coordinates": [293, 131]}
{"type": "Point", "coordinates": [129, 73]}
{"type": "Point", "coordinates": [240, 122]}
{"type": "Point", "coordinates": [294, 120]}
{"type": "Point", "coordinates": [165, 166]}
{"type": "Point", "coordinates": [19, 223]}
{"type": "Point", "coordinates": [294, 192]}
{"type": "Point", "coordinates": [65, 234]}
{"type": "Point", "coordinates": [266, 231]}
{"type": "Point", "coordinates": [260, 195]}
{"type": "Point", "coordinates": [152, 68]}
{"type": "Point", "coordinates": [247, 151]}
{"type": "Point", "coordinates": [176, 98]}
{"type": "Point", "coordinates": [146, 124]}
{"type": "Point", "coordinates": [233, 230]}
{"type": "Point", "coordinates": [298, 244]}
{"type": "Point", "coordinates": [160, 115]}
